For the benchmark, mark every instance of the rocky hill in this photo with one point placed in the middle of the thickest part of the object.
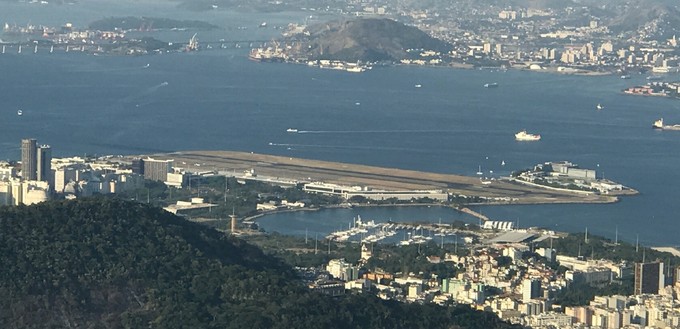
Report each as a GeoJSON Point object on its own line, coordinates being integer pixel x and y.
{"type": "Point", "coordinates": [107, 263]}
{"type": "Point", "coordinates": [365, 39]}
{"type": "Point", "coordinates": [654, 18]}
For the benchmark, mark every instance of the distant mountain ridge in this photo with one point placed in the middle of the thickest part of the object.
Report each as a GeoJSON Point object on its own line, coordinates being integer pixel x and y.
{"type": "Point", "coordinates": [365, 39]}
{"type": "Point", "coordinates": [659, 17]}
{"type": "Point", "coordinates": [147, 23]}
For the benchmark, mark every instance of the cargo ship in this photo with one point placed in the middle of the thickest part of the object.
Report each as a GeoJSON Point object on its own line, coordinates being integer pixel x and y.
{"type": "Point", "coordinates": [523, 136]}
{"type": "Point", "coordinates": [658, 124]}
{"type": "Point", "coordinates": [267, 55]}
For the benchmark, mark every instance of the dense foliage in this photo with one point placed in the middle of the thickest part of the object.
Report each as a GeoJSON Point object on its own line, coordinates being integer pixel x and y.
{"type": "Point", "coordinates": [581, 293]}
{"type": "Point", "coordinates": [599, 247]}
{"type": "Point", "coordinates": [108, 263]}
{"type": "Point", "coordinates": [242, 199]}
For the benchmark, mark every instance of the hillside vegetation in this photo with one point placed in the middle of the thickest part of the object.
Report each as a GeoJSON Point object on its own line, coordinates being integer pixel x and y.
{"type": "Point", "coordinates": [366, 39]}
{"type": "Point", "coordinates": [108, 263]}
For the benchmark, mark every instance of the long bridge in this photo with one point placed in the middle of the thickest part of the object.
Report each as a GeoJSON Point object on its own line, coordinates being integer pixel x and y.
{"type": "Point", "coordinates": [42, 46]}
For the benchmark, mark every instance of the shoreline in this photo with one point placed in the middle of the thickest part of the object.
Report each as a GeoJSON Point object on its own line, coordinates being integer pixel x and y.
{"type": "Point", "coordinates": [301, 170]}
{"type": "Point", "coordinates": [561, 70]}
{"type": "Point", "coordinates": [463, 209]}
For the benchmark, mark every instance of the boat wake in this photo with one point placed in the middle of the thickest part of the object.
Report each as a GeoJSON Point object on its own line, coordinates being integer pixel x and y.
{"type": "Point", "coordinates": [143, 95]}
{"type": "Point", "coordinates": [347, 147]}
{"type": "Point", "coordinates": [374, 131]}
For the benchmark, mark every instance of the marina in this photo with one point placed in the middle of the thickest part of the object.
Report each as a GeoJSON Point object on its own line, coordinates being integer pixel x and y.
{"type": "Point", "coordinates": [392, 232]}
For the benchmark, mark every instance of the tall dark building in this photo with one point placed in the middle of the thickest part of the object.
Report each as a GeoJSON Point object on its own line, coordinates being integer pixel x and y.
{"type": "Point", "coordinates": [29, 161]}
{"type": "Point", "coordinates": [157, 169]}
{"type": "Point", "coordinates": [649, 278]}
{"type": "Point", "coordinates": [138, 166]}
{"type": "Point", "coordinates": [44, 164]}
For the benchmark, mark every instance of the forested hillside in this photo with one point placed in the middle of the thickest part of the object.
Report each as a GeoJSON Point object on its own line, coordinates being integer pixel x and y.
{"type": "Point", "coordinates": [108, 263]}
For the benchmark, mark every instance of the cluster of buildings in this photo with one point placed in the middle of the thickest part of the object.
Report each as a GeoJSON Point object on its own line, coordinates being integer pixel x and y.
{"type": "Point", "coordinates": [567, 175]}
{"type": "Point", "coordinates": [508, 276]}
{"type": "Point", "coordinates": [658, 88]}
{"type": "Point", "coordinates": [33, 186]}
{"type": "Point", "coordinates": [40, 177]}
{"type": "Point", "coordinates": [561, 39]}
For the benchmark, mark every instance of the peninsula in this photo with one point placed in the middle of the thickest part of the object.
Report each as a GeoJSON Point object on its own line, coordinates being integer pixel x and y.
{"type": "Point", "coordinates": [369, 178]}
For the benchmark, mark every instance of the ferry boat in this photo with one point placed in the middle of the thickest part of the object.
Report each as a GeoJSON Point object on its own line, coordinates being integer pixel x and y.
{"type": "Point", "coordinates": [291, 130]}
{"type": "Point", "coordinates": [658, 124]}
{"type": "Point", "coordinates": [526, 137]}
{"type": "Point", "coordinates": [355, 69]}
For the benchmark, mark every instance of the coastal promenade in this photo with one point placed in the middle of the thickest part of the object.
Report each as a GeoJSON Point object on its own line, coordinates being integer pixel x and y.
{"type": "Point", "coordinates": [391, 179]}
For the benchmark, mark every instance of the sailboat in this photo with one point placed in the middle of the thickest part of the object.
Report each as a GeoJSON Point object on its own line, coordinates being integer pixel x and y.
{"type": "Point", "coordinates": [503, 163]}
{"type": "Point", "coordinates": [479, 171]}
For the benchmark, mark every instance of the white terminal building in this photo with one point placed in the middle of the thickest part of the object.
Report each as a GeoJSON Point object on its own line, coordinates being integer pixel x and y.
{"type": "Point", "coordinates": [348, 192]}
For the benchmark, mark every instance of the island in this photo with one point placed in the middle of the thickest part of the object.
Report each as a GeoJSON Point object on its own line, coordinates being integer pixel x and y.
{"type": "Point", "coordinates": [656, 89]}
{"type": "Point", "coordinates": [347, 43]}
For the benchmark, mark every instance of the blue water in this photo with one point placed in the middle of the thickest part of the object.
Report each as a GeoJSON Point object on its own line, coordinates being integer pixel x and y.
{"type": "Point", "coordinates": [322, 223]}
{"type": "Point", "coordinates": [219, 100]}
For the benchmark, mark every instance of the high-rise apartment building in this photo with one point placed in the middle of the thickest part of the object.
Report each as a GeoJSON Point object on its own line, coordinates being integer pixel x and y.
{"type": "Point", "coordinates": [531, 288]}
{"type": "Point", "coordinates": [44, 164]}
{"type": "Point", "coordinates": [157, 169]}
{"type": "Point", "coordinates": [649, 278]}
{"type": "Point", "coordinates": [29, 159]}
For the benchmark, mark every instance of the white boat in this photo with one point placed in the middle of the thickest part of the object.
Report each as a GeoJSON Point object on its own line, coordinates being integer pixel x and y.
{"type": "Point", "coordinates": [599, 106]}
{"type": "Point", "coordinates": [503, 163]}
{"type": "Point", "coordinates": [291, 130]}
{"type": "Point", "coordinates": [658, 124]}
{"type": "Point", "coordinates": [20, 112]}
{"type": "Point", "coordinates": [355, 69]}
{"type": "Point", "coordinates": [418, 86]}
{"type": "Point", "coordinates": [523, 136]}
